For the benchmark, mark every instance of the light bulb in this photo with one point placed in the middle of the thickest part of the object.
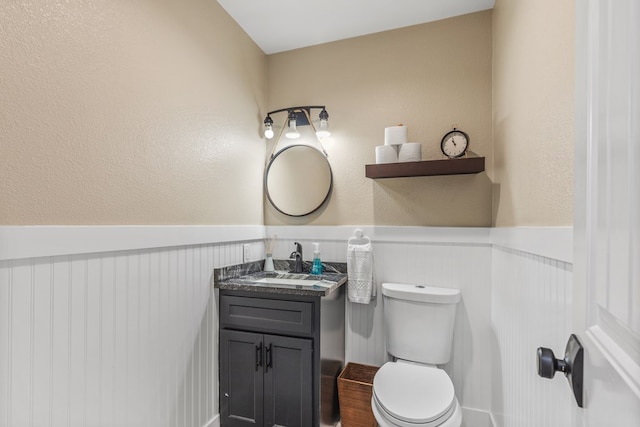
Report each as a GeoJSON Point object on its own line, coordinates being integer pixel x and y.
{"type": "Point", "coordinates": [323, 129]}
{"type": "Point", "coordinates": [268, 127]}
{"type": "Point", "coordinates": [268, 131]}
{"type": "Point", "coordinates": [292, 131]}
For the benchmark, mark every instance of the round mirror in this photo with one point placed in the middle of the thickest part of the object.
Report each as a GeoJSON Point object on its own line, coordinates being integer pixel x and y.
{"type": "Point", "coordinates": [298, 180]}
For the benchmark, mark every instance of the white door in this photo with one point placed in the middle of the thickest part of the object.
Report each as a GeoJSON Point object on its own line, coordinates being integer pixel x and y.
{"type": "Point", "coordinates": [607, 210]}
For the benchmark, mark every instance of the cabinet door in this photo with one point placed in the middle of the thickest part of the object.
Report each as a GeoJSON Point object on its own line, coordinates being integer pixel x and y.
{"type": "Point", "coordinates": [241, 378]}
{"type": "Point", "coordinates": [288, 381]}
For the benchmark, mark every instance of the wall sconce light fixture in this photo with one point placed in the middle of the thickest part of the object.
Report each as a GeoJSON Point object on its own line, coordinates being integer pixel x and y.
{"type": "Point", "coordinates": [292, 131]}
{"type": "Point", "coordinates": [298, 116]}
{"type": "Point", "coordinates": [268, 127]}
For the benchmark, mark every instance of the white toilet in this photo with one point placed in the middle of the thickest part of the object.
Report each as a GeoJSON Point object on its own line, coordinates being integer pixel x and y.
{"type": "Point", "coordinates": [413, 391]}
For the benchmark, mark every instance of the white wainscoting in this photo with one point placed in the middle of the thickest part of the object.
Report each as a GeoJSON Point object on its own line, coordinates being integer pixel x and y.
{"type": "Point", "coordinates": [516, 296]}
{"type": "Point", "coordinates": [449, 257]}
{"type": "Point", "coordinates": [128, 337]}
{"type": "Point", "coordinates": [120, 338]}
{"type": "Point", "coordinates": [531, 307]}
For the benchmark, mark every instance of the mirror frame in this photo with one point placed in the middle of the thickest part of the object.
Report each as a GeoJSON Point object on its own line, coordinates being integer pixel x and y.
{"type": "Point", "coordinates": [266, 176]}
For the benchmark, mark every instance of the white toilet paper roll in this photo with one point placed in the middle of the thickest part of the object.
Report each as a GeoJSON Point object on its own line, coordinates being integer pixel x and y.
{"type": "Point", "coordinates": [410, 152]}
{"type": "Point", "coordinates": [395, 135]}
{"type": "Point", "coordinates": [386, 154]}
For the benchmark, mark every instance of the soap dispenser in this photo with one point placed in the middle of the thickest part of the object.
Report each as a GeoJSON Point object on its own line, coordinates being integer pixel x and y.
{"type": "Point", "coordinates": [316, 268]}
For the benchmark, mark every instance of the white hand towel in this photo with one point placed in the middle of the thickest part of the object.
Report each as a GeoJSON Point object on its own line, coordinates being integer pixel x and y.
{"type": "Point", "coordinates": [360, 288]}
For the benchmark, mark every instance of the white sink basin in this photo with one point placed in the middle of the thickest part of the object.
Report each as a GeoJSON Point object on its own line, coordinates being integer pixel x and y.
{"type": "Point", "coordinates": [276, 281]}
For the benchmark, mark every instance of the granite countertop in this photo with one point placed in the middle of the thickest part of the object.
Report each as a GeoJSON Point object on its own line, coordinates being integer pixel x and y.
{"type": "Point", "coordinates": [243, 277]}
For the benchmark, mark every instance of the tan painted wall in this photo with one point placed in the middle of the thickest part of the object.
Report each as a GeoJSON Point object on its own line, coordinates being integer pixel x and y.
{"type": "Point", "coordinates": [135, 112]}
{"type": "Point", "coordinates": [427, 77]}
{"type": "Point", "coordinates": [533, 84]}
{"type": "Point", "coordinates": [149, 113]}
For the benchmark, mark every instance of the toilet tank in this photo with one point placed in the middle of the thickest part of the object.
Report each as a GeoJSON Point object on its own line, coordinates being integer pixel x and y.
{"type": "Point", "coordinates": [419, 322]}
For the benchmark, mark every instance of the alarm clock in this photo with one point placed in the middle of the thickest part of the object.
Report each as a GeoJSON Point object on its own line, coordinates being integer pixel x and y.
{"type": "Point", "coordinates": [454, 143]}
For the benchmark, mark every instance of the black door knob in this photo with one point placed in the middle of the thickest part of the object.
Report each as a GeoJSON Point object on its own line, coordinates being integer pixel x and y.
{"type": "Point", "coordinates": [548, 365]}
{"type": "Point", "coordinates": [572, 365]}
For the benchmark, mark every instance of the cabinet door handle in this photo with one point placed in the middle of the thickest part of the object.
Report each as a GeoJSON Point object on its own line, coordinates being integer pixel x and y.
{"type": "Point", "coordinates": [258, 356]}
{"type": "Point", "coordinates": [269, 357]}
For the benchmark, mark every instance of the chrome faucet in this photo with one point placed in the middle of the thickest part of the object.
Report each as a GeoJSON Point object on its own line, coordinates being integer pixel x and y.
{"type": "Point", "coordinates": [297, 255]}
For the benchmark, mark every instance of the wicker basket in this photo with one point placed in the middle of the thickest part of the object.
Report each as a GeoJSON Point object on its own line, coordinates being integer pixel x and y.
{"type": "Point", "coordinates": [355, 385]}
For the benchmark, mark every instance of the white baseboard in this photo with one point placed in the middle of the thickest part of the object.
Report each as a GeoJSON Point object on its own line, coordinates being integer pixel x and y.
{"type": "Point", "coordinates": [213, 422]}
{"type": "Point", "coordinates": [493, 421]}
{"type": "Point", "coordinates": [476, 418]}
{"type": "Point", "coordinates": [470, 418]}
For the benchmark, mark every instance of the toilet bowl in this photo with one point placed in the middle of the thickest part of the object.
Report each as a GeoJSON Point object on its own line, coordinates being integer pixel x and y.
{"type": "Point", "coordinates": [412, 391]}
{"type": "Point", "coordinates": [414, 395]}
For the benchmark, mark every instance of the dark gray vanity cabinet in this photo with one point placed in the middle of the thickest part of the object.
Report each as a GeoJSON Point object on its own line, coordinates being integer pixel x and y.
{"type": "Point", "coordinates": [272, 372]}
{"type": "Point", "coordinates": [265, 379]}
{"type": "Point", "coordinates": [241, 378]}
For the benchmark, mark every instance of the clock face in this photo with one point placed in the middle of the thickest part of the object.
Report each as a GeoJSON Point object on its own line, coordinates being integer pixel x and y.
{"type": "Point", "coordinates": [454, 144]}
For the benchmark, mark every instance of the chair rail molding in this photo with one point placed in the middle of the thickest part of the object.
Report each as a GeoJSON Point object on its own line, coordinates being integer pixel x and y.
{"type": "Point", "coordinates": [18, 242]}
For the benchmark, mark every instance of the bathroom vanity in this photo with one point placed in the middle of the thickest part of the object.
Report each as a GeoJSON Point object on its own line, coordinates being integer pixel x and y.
{"type": "Point", "coordinates": [281, 347]}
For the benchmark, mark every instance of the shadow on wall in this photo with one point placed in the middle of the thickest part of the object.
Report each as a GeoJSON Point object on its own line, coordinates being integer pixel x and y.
{"type": "Point", "coordinates": [361, 318]}
{"type": "Point", "coordinates": [495, 202]}
{"type": "Point", "coordinates": [462, 352]}
{"type": "Point", "coordinates": [453, 201]}
{"type": "Point", "coordinates": [364, 332]}
{"type": "Point", "coordinates": [273, 217]}
{"type": "Point", "coordinates": [497, 398]}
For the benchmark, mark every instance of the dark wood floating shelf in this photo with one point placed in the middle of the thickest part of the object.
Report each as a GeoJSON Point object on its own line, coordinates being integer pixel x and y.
{"type": "Point", "coordinates": [465, 165]}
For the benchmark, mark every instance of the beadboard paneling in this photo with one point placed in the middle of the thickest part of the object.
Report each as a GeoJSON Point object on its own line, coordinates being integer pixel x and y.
{"type": "Point", "coordinates": [516, 288]}
{"type": "Point", "coordinates": [436, 261]}
{"type": "Point", "coordinates": [531, 308]}
{"type": "Point", "coordinates": [130, 337]}
{"type": "Point", "coordinates": [117, 338]}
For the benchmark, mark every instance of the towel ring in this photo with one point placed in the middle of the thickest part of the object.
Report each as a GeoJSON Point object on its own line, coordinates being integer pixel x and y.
{"type": "Point", "coordinates": [359, 238]}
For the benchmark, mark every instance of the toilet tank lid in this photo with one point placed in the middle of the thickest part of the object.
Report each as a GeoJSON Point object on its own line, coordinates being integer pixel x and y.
{"type": "Point", "coordinates": [421, 293]}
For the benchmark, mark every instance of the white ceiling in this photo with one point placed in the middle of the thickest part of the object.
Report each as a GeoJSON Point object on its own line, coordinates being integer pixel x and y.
{"type": "Point", "coordinates": [280, 25]}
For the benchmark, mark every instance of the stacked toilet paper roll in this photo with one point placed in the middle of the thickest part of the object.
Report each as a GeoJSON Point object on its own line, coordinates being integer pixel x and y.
{"type": "Point", "coordinates": [386, 154]}
{"type": "Point", "coordinates": [410, 152]}
{"type": "Point", "coordinates": [396, 148]}
{"type": "Point", "coordinates": [395, 135]}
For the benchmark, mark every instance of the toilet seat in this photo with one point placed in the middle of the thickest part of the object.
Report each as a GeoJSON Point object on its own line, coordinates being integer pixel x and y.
{"type": "Point", "coordinates": [385, 420]}
{"type": "Point", "coordinates": [413, 395]}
